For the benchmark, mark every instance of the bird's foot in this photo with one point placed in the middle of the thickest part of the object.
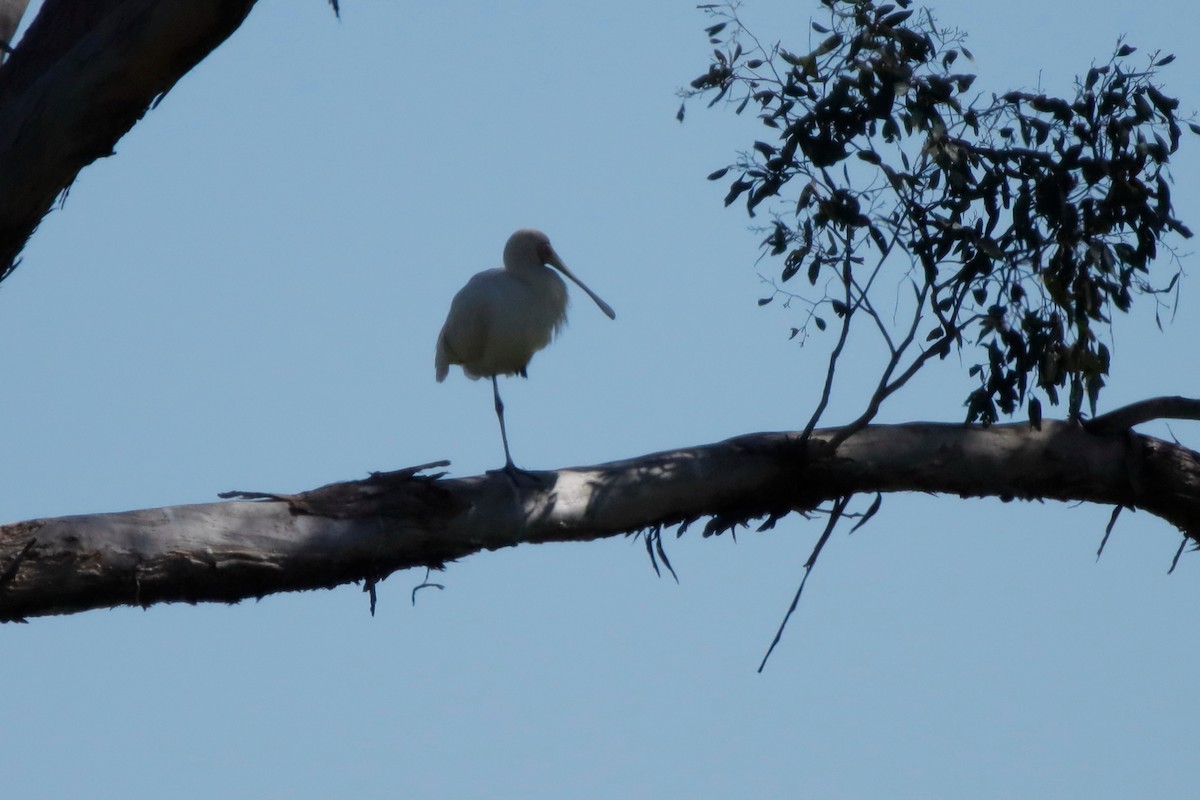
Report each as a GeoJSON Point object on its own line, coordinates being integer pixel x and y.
{"type": "Point", "coordinates": [519, 476]}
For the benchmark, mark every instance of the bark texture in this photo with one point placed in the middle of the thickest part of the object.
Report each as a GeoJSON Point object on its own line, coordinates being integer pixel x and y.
{"type": "Point", "coordinates": [82, 75]}
{"type": "Point", "coordinates": [365, 530]}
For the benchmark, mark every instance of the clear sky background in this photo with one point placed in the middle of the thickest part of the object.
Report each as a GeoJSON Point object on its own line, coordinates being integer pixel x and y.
{"type": "Point", "coordinates": [247, 297]}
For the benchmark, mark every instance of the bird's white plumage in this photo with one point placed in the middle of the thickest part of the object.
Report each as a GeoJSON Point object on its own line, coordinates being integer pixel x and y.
{"type": "Point", "coordinates": [499, 320]}
{"type": "Point", "coordinates": [503, 316]}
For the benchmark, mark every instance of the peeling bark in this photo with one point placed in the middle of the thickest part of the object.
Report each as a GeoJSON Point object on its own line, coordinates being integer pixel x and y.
{"type": "Point", "coordinates": [365, 530]}
{"type": "Point", "coordinates": [82, 75]}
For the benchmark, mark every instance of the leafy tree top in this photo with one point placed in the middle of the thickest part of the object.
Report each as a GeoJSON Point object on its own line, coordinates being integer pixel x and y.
{"type": "Point", "coordinates": [1019, 220]}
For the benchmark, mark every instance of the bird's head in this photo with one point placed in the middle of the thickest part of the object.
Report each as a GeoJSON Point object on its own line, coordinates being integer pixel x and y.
{"type": "Point", "coordinates": [528, 248]}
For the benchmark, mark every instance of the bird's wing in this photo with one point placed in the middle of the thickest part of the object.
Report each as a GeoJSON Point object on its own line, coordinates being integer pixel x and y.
{"type": "Point", "coordinates": [464, 335]}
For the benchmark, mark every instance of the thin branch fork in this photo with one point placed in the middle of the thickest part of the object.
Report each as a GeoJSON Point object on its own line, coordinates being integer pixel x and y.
{"type": "Point", "coordinates": [365, 530]}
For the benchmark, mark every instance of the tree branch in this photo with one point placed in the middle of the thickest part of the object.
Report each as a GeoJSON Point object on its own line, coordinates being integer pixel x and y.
{"type": "Point", "coordinates": [1145, 411]}
{"type": "Point", "coordinates": [365, 530]}
{"type": "Point", "coordinates": [83, 74]}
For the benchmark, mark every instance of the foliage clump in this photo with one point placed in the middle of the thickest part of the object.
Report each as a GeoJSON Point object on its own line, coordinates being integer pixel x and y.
{"type": "Point", "coordinates": [1019, 220]}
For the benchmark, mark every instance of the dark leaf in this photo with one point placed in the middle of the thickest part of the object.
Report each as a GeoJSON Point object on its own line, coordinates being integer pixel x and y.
{"type": "Point", "coordinates": [892, 20]}
{"type": "Point", "coordinates": [1143, 108]}
{"type": "Point", "coordinates": [1162, 62]}
{"type": "Point", "coordinates": [792, 264]}
{"type": "Point", "coordinates": [1165, 105]}
{"type": "Point", "coordinates": [793, 59]}
{"type": "Point", "coordinates": [736, 189]}
{"type": "Point", "coordinates": [830, 44]}
{"type": "Point", "coordinates": [762, 301]}
{"type": "Point", "coordinates": [820, 323]}
{"type": "Point", "coordinates": [1112, 521]}
{"type": "Point", "coordinates": [719, 95]}
{"type": "Point", "coordinates": [713, 176]}
{"type": "Point", "coordinates": [813, 269]}
{"type": "Point", "coordinates": [1035, 413]}
{"type": "Point", "coordinates": [879, 239]}
{"type": "Point", "coordinates": [1094, 384]}
{"type": "Point", "coordinates": [1126, 49]}
{"type": "Point", "coordinates": [764, 148]}
{"type": "Point", "coordinates": [1075, 402]}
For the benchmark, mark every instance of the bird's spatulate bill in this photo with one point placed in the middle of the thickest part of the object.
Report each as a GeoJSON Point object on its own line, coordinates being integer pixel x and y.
{"type": "Point", "coordinates": [605, 307]}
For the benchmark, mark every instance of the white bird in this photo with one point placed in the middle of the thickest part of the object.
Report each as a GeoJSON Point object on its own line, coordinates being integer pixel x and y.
{"type": "Point", "coordinates": [503, 316]}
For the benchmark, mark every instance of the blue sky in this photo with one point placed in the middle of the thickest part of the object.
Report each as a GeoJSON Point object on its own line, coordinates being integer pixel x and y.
{"type": "Point", "coordinates": [247, 297]}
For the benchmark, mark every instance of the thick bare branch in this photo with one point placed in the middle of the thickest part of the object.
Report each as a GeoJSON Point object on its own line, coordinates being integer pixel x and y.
{"type": "Point", "coordinates": [83, 74]}
{"type": "Point", "coordinates": [364, 530]}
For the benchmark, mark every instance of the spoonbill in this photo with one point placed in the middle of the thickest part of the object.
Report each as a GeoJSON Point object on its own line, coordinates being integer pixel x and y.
{"type": "Point", "coordinates": [503, 316]}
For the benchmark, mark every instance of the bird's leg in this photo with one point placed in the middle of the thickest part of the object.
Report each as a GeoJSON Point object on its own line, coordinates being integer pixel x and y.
{"type": "Point", "coordinates": [508, 462]}
{"type": "Point", "coordinates": [515, 473]}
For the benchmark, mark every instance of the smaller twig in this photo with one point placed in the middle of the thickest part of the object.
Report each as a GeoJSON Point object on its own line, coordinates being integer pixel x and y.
{"type": "Point", "coordinates": [867, 307]}
{"type": "Point", "coordinates": [425, 584]}
{"type": "Point", "coordinates": [654, 549]}
{"type": "Point", "coordinates": [317, 500]}
{"type": "Point", "coordinates": [833, 357]}
{"type": "Point", "coordinates": [410, 471]}
{"type": "Point", "coordinates": [884, 391]}
{"type": "Point", "coordinates": [369, 588]}
{"type": "Point", "coordinates": [240, 495]}
{"type": "Point", "coordinates": [839, 506]}
{"type": "Point", "coordinates": [878, 502]}
{"type": "Point", "coordinates": [1112, 521]}
{"type": "Point", "coordinates": [1178, 553]}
